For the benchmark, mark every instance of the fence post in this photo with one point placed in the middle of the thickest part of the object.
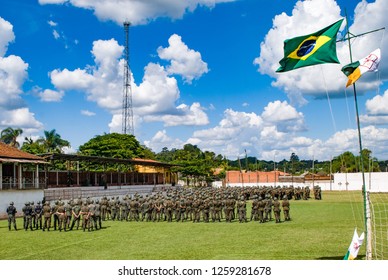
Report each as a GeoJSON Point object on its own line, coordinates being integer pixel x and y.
{"type": "Point", "coordinates": [37, 177]}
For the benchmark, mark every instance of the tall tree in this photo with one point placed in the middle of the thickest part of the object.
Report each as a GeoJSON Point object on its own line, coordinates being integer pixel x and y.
{"type": "Point", "coordinates": [195, 166]}
{"type": "Point", "coordinates": [53, 142]}
{"type": "Point", "coordinates": [33, 147]}
{"type": "Point", "coordinates": [115, 145]}
{"type": "Point", "coordinates": [10, 135]}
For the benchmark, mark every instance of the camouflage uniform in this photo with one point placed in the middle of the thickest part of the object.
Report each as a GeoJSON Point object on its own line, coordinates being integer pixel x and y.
{"type": "Point", "coordinates": [206, 210]}
{"type": "Point", "coordinates": [75, 211]}
{"type": "Point", "coordinates": [124, 209]}
{"type": "Point", "coordinates": [11, 211]}
{"type": "Point", "coordinates": [68, 210]}
{"type": "Point", "coordinates": [28, 216]}
{"type": "Point", "coordinates": [189, 212]}
{"type": "Point", "coordinates": [104, 206]}
{"type": "Point", "coordinates": [261, 205]}
{"type": "Point", "coordinates": [276, 209]}
{"type": "Point", "coordinates": [33, 217]}
{"type": "Point", "coordinates": [229, 207]}
{"type": "Point", "coordinates": [181, 210]}
{"type": "Point", "coordinates": [131, 209]}
{"type": "Point", "coordinates": [38, 216]}
{"type": "Point", "coordinates": [145, 207]}
{"type": "Point", "coordinates": [85, 216]}
{"type": "Point", "coordinates": [218, 209]}
{"type": "Point", "coordinates": [47, 216]}
{"type": "Point", "coordinates": [97, 215]}
{"type": "Point", "coordinates": [61, 216]}
{"type": "Point", "coordinates": [255, 208]}
{"type": "Point", "coordinates": [196, 210]}
{"type": "Point", "coordinates": [168, 208]}
{"type": "Point", "coordinates": [92, 215]}
{"type": "Point", "coordinates": [242, 210]}
{"type": "Point", "coordinates": [158, 208]}
{"type": "Point", "coordinates": [306, 194]}
{"type": "Point", "coordinates": [317, 192]}
{"type": "Point", "coordinates": [268, 208]}
{"type": "Point", "coordinates": [286, 208]}
{"type": "Point", "coordinates": [55, 216]}
{"type": "Point", "coordinates": [112, 207]}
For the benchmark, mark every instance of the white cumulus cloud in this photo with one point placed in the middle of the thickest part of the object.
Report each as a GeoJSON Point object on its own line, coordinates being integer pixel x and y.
{"type": "Point", "coordinates": [378, 105]}
{"type": "Point", "coordinates": [154, 99]}
{"type": "Point", "coordinates": [135, 11]}
{"type": "Point", "coordinates": [284, 115]}
{"type": "Point", "coordinates": [7, 35]}
{"type": "Point", "coordinates": [49, 95]}
{"type": "Point", "coordinates": [308, 17]}
{"type": "Point", "coordinates": [20, 118]}
{"type": "Point", "coordinates": [226, 137]}
{"type": "Point", "coordinates": [161, 140]}
{"type": "Point", "coordinates": [184, 61]}
{"type": "Point", "coordinates": [185, 115]}
{"type": "Point", "coordinates": [13, 74]}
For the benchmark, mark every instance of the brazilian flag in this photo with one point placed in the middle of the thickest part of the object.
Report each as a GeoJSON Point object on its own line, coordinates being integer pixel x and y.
{"type": "Point", "coordinates": [316, 48]}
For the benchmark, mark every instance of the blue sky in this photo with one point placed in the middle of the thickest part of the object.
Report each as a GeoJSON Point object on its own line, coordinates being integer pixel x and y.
{"type": "Point", "coordinates": [203, 73]}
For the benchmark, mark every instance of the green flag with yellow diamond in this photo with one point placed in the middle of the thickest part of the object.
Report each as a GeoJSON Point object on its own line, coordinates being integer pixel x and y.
{"type": "Point", "coordinates": [316, 48]}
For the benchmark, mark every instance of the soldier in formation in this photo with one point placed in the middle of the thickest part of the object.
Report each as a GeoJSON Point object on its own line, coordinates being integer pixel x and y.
{"type": "Point", "coordinates": [47, 216]}
{"type": "Point", "coordinates": [38, 210]}
{"type": "Point", "coordinates": [276, 209]}
{"type": "Point", "coordinates": [286, 208]}
{"type": "Point", "coordinates": [195, 205]}
{"type": "Point", "coordinates": [76, 214]}
{"type": "Point", "coordinates": [242, 210]}
{"type": "Point", "coordinates": [11, 212]}
{"type": "Point", "coordinates": [28, 212]}
{"type": "Point", "coordinates": [317, 193]}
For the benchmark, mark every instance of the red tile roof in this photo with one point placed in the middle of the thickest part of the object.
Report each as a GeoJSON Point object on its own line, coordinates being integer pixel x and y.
{"type": "Point", "coordinates": [8, 152]}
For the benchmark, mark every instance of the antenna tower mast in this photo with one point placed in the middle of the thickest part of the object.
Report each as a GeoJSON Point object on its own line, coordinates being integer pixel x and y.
{"type": "Point", "coordinates": [127, 113]}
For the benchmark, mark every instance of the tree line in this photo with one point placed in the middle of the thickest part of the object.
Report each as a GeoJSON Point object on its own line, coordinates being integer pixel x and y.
{"type": "Point", "coordinates": [195, 166]}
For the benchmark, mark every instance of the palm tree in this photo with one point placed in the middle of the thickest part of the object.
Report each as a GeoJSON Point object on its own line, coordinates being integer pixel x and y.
{"type": "Point", "coordinates": [10, 135]}
{"type": "Point", "coordinates": [53, 142]}
{"type": "Point", "coordinates": [28, 141]}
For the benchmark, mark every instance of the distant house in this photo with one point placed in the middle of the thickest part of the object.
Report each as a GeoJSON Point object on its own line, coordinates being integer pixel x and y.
{"type": "Point", "coordinates": [233, 177]}
{"type": "Point", "coordinates": [18, 169]}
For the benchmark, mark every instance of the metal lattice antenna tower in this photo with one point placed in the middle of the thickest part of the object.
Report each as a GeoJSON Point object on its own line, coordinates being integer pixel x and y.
{"type": "Point", "coordinates": [127, 113]}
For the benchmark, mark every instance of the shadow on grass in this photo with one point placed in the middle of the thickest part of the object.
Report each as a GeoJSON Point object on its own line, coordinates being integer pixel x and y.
{"type": "Point", "coordinates": [333, 258]}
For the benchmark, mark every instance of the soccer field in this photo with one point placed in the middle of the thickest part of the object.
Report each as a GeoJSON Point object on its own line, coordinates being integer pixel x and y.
{"type": "Point", "coordinates": [318, 230]}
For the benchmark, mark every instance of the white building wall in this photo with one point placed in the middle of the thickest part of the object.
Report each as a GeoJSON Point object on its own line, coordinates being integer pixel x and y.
{"type": "Point", "coordinates": [374, 182]}
{"type": "Point", "coordinates": [19, 198]}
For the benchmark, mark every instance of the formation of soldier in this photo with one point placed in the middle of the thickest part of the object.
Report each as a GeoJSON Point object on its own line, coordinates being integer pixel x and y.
{"type": "Point", "coordinates": [59, 215]}
{"type": "Point", "coordinates": [195, 205]}
{"type": "Point", "coordinates": [199, 205]}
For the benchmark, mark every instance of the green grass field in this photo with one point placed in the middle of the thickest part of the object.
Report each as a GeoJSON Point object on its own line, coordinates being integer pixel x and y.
{"type": "Point", "coordinates": [319, 230]}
